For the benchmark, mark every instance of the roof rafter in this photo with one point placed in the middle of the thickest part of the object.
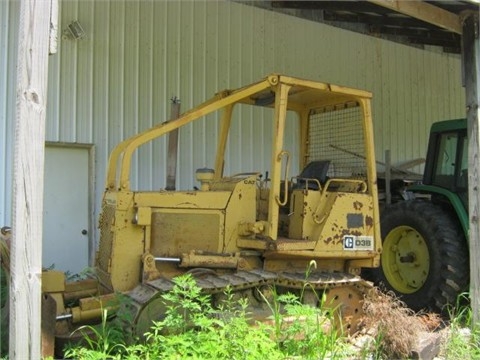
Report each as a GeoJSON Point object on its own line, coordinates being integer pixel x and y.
{"type": "Point", "coordinates": [425, 12]}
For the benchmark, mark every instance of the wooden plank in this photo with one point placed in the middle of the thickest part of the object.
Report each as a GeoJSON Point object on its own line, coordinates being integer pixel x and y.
{"type": "Point", "coordinates": [425, 12]}
{"type": "Point", "coordinates": [26, 248]}
{"type": "Point", "coordinates": [471, 58]}
{"type": "Point", "coordinates": [49, 312]}
{"type": "Point", "coordinates": [53, 38]}
{"type": "Point", "coordinates": [173, 147]}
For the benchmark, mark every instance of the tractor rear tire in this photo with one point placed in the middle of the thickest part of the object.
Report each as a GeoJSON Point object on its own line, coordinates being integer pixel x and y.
{"type": "Point", "coordinates": [425, 255]}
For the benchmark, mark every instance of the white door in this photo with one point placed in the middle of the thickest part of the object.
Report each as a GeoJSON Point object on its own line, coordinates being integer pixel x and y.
{"type": "Point", "coordinates": [66, 208]}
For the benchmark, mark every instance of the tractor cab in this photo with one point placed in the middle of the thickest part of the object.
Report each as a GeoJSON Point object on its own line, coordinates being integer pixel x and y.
{"type": "Point", "coordinates": [447, 158]}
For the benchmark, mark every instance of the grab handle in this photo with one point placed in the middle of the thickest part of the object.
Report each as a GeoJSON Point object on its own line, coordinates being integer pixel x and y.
{"type": "Point", "coordinates": [285, 154]}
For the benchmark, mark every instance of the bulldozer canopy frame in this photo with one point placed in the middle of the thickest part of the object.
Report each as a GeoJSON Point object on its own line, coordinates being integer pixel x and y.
{"type": "Point", "coordinates": [298, 95]}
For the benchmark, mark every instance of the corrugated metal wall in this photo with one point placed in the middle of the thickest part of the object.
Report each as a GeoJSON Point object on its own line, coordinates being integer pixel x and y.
{"type": "Point", "coordinates": [139, 54]}
{"type": "Point", "coordinates": [9, 11]}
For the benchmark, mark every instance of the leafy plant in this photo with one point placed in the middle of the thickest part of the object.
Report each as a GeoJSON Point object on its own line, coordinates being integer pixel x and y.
{"type": "Point", "coordinates": [193, 328]}
{"type": "Point", "coordinates": [463, 341]}
{"type": "Point", "coordinates": [86, 273]}
{"type": "Point", "coordinates": [106, 340]}
{"type": "Point", "coordinates": [309, 332]}
{"type": "Point", "coordinates": [101, 342]}
{"type": "Point", "coordinates": [302, 330]}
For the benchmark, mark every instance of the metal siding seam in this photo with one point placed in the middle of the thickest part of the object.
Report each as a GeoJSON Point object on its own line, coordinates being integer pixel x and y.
{"type": "Point", "coordinates": [68, 78]}
{"type": "Point", "coordinates": [4, 21]}
{"type": "Point", "coordinates": [159, 152]}
{"type": "Point", "coordinates": [247, 27]}
{"type": "Point", "coordinates": [194, 153]}
{"type": "Point", "coordinates": [173, 26]}
{"type": "Point", "coordinates": [84, 75]}
{"type": "Point", "coordinates": [203, 96]}
{"type": "Point", "coordinates": [210, 79]}
{"type": "Point", "coordinates": [404, 104]}
{"type": "Point", "coordinates": [116, 72]}
{"type": "Point", "coordinates": [130, 75]}
{"type": "Point", "coordinates": [413, 59]}
{"type": "Point", "coordinates": [91, 90]}
{"type": "Point", "coordinates": [11, 56]}
{"type": "Point", "coordinates": [100, 93]}
{"type": "Point", "coordinates": [195, 138]}
{"type": "Point", "coordinates": [145, 92]}
{"type": "Point", "coordinates": [52, 128]}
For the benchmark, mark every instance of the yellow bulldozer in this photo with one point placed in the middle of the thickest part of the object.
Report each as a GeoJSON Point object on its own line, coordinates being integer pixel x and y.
{"type": "Point", "coordinates": [250, 230]}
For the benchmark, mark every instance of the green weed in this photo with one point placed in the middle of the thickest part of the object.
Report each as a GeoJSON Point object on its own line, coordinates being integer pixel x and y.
{"type": "Point", "coordinates": [193, 328]}
{"type": "Point", "coordinates": [463, 340]}
{"type": "Point", "coordinates": [101, 342]}
{"type": "Point", "coordinates": [302, 330]}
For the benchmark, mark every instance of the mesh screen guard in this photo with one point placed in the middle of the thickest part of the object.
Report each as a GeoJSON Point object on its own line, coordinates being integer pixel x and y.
{"type": "Point", "coordinates": [336, 134]}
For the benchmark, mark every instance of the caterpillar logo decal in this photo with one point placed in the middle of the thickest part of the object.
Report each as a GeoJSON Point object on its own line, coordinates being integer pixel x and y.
{"type": "Point", "coordinates": [352, 242]}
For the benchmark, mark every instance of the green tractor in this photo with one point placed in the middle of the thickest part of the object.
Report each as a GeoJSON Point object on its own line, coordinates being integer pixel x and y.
{"type": "Point", "coordinates": [425, 249]}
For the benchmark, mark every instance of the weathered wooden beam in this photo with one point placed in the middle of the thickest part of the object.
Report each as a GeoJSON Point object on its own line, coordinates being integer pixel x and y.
{"type": "Point", "coordinates": [344, 6]}
{"type": "Point", "coordinates": [26, 247]}
{"type": "Point", "coordinates": [396, 21]}
{"type": "Point", "coordinates": [53, 39]}
{"type": "Point", "coordinates": [172, 154]}
{"type": "Point", "coordinates": [424, 11]}
{"type": "Point", "coordinates": [471, 67]}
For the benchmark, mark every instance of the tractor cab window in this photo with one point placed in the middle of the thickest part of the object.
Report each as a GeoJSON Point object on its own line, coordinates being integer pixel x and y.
{"type": "Point", "coordinates": [444, 172]}
{"type": "Point", "coordinates": [451, 165]}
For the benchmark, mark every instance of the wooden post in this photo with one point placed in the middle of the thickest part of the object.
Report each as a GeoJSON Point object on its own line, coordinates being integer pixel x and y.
{"type": "Point", "coordinates": [173, 147]}
{"type": "Point", "coordinates": [26, 247]}
{"type": "Point", "coordinates": [471, 58]}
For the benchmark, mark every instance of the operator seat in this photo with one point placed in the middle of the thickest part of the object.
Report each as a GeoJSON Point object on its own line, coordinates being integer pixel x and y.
{"type": "Point", "coordinates": [318, 170]}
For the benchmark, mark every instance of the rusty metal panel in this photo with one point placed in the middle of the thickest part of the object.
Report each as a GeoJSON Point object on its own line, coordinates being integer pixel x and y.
{"type": "Point", "coordinates": [177, 232]}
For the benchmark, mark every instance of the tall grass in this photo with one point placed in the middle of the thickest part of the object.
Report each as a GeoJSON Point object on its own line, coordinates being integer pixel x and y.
{"type": "Point", "coordinates": [463, 339]}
